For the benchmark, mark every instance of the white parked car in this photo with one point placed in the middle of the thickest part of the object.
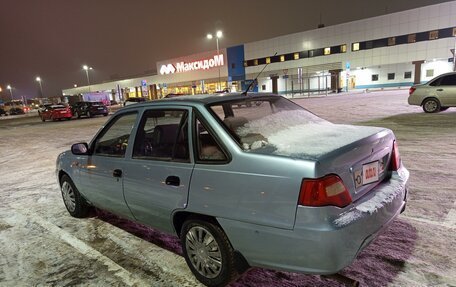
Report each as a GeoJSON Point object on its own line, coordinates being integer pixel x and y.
{"type": "Point", "coordinates": [436, 95]}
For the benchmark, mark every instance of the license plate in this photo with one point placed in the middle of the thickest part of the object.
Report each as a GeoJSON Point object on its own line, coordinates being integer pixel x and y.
{"type": "Point", "coordinates": [370, 172]}
{"type": "Point", "coordinates": [100, 108]}
{"type": "Point", "coordinates": [367, 175]}
{"type": "Point", "coordinates": [63, 112]}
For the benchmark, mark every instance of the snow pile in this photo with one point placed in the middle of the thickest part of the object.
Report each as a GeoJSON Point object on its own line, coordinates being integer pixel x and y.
{"type": "Point", "coordinates": [382, 197]}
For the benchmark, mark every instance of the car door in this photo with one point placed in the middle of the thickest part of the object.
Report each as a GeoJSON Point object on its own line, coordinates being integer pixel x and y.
{"type": "Point", "coordinates": [101, 177]}
{"type": "Point", "coordinates": [157, 177]}
{"type": "Point", "coordinates": [446, 90]}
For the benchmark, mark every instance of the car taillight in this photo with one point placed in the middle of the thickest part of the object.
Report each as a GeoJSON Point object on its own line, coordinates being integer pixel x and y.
{"type": "Point", "coordinates": [411, 90]}
{"type": "Point", "coordinates": [395, 157]}
{"type": "Point", "coordinates": [328, 190]}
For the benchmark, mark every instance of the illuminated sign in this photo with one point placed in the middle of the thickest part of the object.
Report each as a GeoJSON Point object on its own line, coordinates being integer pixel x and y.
{"type": "Point", "coordinates": [182, 67]}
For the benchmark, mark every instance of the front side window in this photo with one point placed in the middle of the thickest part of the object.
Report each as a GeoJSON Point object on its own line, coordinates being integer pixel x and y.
{"type": "Point", "coordinates": [162, 135]}
{"type": "Point", "coordinates": [113, 141]}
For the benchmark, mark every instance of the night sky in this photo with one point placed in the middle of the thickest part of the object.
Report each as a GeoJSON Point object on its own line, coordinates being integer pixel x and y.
{"type": "Point", "coordinates": [54, 38]}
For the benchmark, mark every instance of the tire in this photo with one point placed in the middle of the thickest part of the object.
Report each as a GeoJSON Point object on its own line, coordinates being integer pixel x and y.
{"type": "Point", "coordinates": [76, 205]}
{"type": "Point", "coordinates": [198, 239]}
{"type": "Point", "coordinates": [105, 115]}
{"type": "Point", "coordinates": [443, 109]}
{"type": "Point", "coordinates": [431, 105]}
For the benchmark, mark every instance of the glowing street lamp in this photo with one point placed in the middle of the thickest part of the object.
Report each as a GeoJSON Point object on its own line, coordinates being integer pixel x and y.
{"type": "Point", "coordinates": [11, 91]}
{"type": "Point", "coordinates": [38, 79]}
{"type": "Point", "coordinates": [218, 35]}
{"type": "Point", "coordinates": [86, 69]}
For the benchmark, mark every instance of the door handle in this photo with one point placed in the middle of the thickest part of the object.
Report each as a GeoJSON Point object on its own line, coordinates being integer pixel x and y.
{"type": "Point", "coordinates": [439, 90]}
{"type": "Point", "coordinates": [117, 173]}
{"type": "Point", "coordinates": [172, 180]}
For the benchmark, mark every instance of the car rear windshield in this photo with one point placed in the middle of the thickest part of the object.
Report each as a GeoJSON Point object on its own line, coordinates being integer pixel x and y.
{"type": "Point", "coordinates": [256, 123]}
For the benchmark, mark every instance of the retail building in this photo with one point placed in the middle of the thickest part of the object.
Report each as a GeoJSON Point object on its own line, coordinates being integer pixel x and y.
{"type": "Point", "coordinates": [388, 51]}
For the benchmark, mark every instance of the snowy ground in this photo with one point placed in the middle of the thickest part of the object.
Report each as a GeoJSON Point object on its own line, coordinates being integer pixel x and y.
{"type": "Point", "coordinates": [41, 245]}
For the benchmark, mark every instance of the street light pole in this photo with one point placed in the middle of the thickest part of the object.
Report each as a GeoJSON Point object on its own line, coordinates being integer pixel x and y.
{"type": "Point", "coordinates": [87, 68]}
{"type": "Point", "coordinates": [218, 35]}
{"type": "Point", "coordinates": [38, 79]}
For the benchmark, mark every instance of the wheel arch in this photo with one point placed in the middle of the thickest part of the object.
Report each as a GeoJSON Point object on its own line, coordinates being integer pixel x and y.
{"type": "Point", "coordinates": [430, 97]}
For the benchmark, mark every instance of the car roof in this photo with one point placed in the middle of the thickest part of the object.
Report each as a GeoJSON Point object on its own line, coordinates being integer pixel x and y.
{"type": "Point", "coordinates": [204, 99]}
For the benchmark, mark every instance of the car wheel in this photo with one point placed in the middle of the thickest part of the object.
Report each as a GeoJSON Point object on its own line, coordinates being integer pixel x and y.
{"type": "Point", "coordinates": [443, 109]}
{"type": "Point", "coordinates": [105, 114]}
{"type": "Point", "coordinates": [76, 205]}
{"type": "Point", "coordinates": [431, 105]}
{"type": "Point", "coordinates": [208, 253]}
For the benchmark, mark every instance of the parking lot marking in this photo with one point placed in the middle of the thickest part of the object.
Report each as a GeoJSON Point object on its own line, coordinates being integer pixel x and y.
{"type": "Point", "coordinates": [80, 246]}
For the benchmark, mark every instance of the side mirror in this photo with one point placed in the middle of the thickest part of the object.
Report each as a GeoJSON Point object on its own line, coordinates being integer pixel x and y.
{"type": "Point", "coordinates": [80, 149]}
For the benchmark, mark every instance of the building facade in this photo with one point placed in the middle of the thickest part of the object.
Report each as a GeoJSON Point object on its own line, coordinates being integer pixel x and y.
{"type": "Point", "coordinates": [388, 51]}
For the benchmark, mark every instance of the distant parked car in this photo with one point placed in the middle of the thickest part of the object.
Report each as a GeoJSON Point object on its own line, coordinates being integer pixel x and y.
{"type": "Point", "coordinates": [268, 185]}
{"type": "Point", "coordinates": [16, 111]}
{"type": "Point", "coordinates": [436, 95]}
{"type": "Point", "coordinates": [56, 112]}
{"type": "Point", "coordinates": [3, 112]}
{"type": "Point", "coordinates": [89, 109]}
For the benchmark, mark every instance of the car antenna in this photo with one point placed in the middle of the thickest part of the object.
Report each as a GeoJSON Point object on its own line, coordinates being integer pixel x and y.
{"type": "Point", "coordinates": [251, 83]}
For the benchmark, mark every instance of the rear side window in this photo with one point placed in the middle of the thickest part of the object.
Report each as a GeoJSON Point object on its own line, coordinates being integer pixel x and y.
{"type": "Point", "coordinates": [163, 135]}
{"type": "Point", "coordinates": [113, 140]}
{"type": "Point", "coordinates": [448, 81]}
{"type": "Point", "coordinates": [207, 147]}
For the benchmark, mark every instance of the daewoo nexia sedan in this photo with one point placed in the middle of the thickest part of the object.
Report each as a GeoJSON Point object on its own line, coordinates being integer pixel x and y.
{"type": "Point", "coordinates": [436, 95]}
{"type": "Point", "coordinates": [267, 184]}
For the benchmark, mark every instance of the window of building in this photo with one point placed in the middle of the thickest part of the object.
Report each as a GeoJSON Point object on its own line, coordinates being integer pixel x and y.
{"type": "Point", "coordinates": [355, 47]}
{"type": "Point", "coordinates": [343, 48]}
{"type": "Point", "coordinates": [407, 75]}
{"type": "Point", "coordinates": [296, 56]}
{"type": "Point", "coordinates": [282, 58]}
{"type": "Point", "coordinates": [374, 77]}
{"type": "Point", "coordinates": [268, 60]}
{"type": "Point", "coordinates": [245, 64]}
{"type": "Point", "coordinates": [255, 62]}
{"type": "Point", "coordinates": [369, 44]}
{"type": "Point", "coordinates": [411, 38]}
{"type": "Point", "coordinates": [454, 32]}
{"type": "Point", "coordinates": [433, 35]}
{"type": "Point", "coordinates": [430, 73]}
{"type": "Point", "coordinates": [391, 41]}
{"type": "Point", "coordinates": [263, 87]}
{"type": "Point", "coordinates": [327, 51]}
{"type": "Point", "coordinates": [391, 76]}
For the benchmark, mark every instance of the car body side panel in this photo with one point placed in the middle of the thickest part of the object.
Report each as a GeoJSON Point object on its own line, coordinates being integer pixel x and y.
{"type": "Point", "coordinates": [324, 239]}
{"type": "Point", "coordinates": [267, 196]}
{"type": "Point", "coordinates": [148, 196]}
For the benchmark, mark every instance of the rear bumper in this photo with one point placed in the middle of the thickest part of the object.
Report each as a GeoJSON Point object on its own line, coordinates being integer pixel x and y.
{"type": "Point", "coordinates": [61, 115]}
{"type": "Point", "coordinates": [324, 240]}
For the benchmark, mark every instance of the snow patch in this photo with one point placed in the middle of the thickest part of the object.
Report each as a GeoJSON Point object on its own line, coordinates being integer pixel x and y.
{"type": "Point", "coordinates": [385, 195]}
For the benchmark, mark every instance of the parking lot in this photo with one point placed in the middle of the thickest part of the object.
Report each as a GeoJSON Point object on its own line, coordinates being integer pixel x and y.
{"type": "Point", "coordinates": [41, 245]}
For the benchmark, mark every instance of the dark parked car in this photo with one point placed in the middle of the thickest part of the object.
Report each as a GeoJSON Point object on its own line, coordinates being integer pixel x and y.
{"type": "Point", "coordinates": [56, 112]}
{"type": "Point", "coordinates": [89, 109]}
{"type": "Point", "coordinates": [16, 111]}
{"type": "Point", "coordinates": [268, 185]}
{"type": "Point", "coordinates": [3, 112]}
